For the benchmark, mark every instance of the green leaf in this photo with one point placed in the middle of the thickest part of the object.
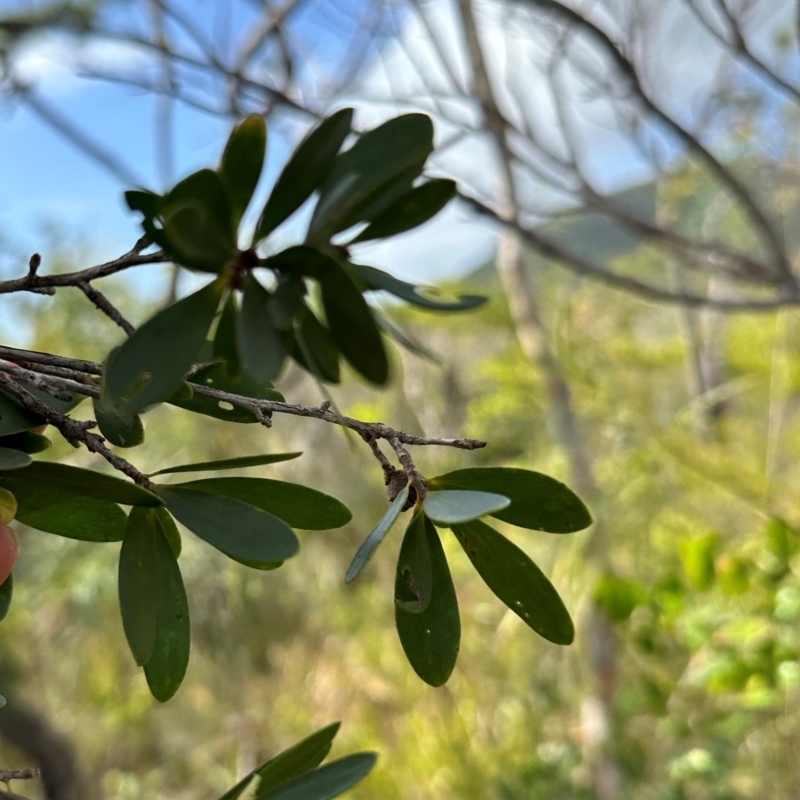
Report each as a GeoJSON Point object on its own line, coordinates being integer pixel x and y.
{"type": "Point", "coordinates": [87, 483]}
{"type": "Point", "coordinates": [305, 171]}
{"type": "Point", "coordinates": [431, 639]}
{"type": "Point", "coordinates": [242, 162]}
{"type": "Point", "coordinates": [326, 782]}
{"type": "Point", "coordinates": [516, 580]}
{"type": "Point", "coordinates": [150, 365]}
{"type": "Point", "coordinates": [312, 347]}
{"type": "Point", "coordinates": [296, 760]}
{"type": "Point", "coordinates": [118, 430]}
{"type": "Point", "coordinates": [6, 594]}
{"type": "Point", "coordinates": [451, 507]}
{"type": "Point", "coordinates": [371, 543]}
{"type": "Point", "coordinates": [26, 442]}
{"type": "Point", "coordinates": [260, 345]}
{"type": "Point", "coordinates": [216, 376]}
{"type": "Point", "coordinates": [225, 348]}
{"type": "Point", "coordinates": [297, 505]}
{"type": "Point", "coordinates": [13, 459]}
{"type": "Point", "coordinates": [300, 261]}
{"type": "Point", "coordinates": [410, 210]}
{"type": "Point", "coordinates": [230, 463]}
{"type": "Point", "coordinates": [396, 149]}
{"type": "Point", "coordinates": [169, 529]}
{"type": "Point", "coordinates": [16, 419]}
{"type": "Point", "coordinates": [55, 509]}
{"type": "Point", "coordinates": [538, 502]}
{"type": "Point", "coordinates": [197, 222]}
{"type": "Point", "coordinates": [414, 577]}
{"type": "Point", "coordinates": [352, 325]}
{"type": "Point", "coordinates": [166, 667]}
{"type": "Point", "coordinates": [138, 583]}
{"type": "Point", "coordinates": [377, 280]}
{"type": "Point", "coordinates": [286, 302]}
{"type": "Point", "coordinates": [240, 530]}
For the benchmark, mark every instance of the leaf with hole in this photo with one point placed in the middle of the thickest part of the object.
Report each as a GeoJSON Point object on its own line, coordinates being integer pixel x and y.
{"type": "Point", "coordinates": [242, 162]}
{"type": "Point", "coordinates": [326, 782]}
{"type": "Point", "coordinates": [261, 349]}
{"type": "Point", "coordinates": [296, 760]}
{"type": "Point", "coordinates": [516, 580]}
{"type": "Point", "coordinates": [410, 210]}
{"type": "Point", "coordinates": [230, 463]}
{"type": "Point", "coordinates": [13, 459]}
{"type": "Point", "coordinates": [149, 367]}
{"type": "Point", "coordinates": [376, 280]}
{"type": "Point", "coordinates": [538, 502]}
{"type": "Point", "coordinates": [450, 507]}
{"type": "Point", "coordinates": [57, 509]}
{"type": "Point", "coordinates": [395, 150]}
{"type": "Point", "coordinates": [118, 430]}
{"type": "Point", "coordinates": [305, 171]}
{"type": "Point", "coordinates": [431, 638]}
{"type": "Point", "coordinates": [377, 535]}
{"type": "Point", "coordinates": [413, 581]}
{"type": "Point", "coordinates": [240, 530]}
{"type": "Point", "coordinates": [352, 325]}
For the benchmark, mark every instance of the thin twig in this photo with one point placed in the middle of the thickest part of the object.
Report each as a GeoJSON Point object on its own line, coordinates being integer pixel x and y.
{"type": "Point", "coordinates": [106, 306]}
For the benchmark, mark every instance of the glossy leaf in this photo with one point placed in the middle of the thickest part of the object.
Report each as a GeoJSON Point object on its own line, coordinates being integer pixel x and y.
{"type": "Point", "coordinates": [297, 505]}
{"type": "Point", "coordinates": [410, 210]}
{"type": "Point", "coordinates": [27, 442]}
{"type": "Point", "coordinates": [450, 507]}
{"type": "Point", "coordinates": [538, 502]}
{"type": "Point", "coordinates": [58, 510]}
{"type": "Point", "coordinates": [13, 459]}
{"type": "Point", "coordinates": [138, 583]}
{"type": "Point", "coordinates": [260, 346]}
{"type": "Point", "coordinates": [230, 463]}
{"type": "Point", "coordinates": [242, 162]}
{"type": "Point", "coordinates": [305, 172]}
{"type": "Point", "coordinates": [216, 376]}
{"type": "Point", "coordinates": [6, 595]}
{"type": "Point", "coordinates": [240, 530]}
{"type": "Point", "coordinates": [326, 782]}
{"type": "Point", "coordinates": [313, 348]}
{"type": "Point", "coordinates": [296, 760]}
{"type": "Point", "coordinates": [87, 483]}
{"type": "Point", "coordinates": [151, 364]}
{"type": "Point", "coordinates": [118, 430]}
{"type": "Point", "coordinates": [166, 667]}
{"type": "Point", "coordinates": [376, 279]}
{"type": "Point", "coordinates": [413, 581]}
{"type": "Point", "coordinates": [352, 325]}
{"type": "Point", "coordinates": [516, 580]}
{"type": "Point", "coordinates": [431, 639]}
{"type": "Point", "coordinates": [396, 149]}
{"type": "Point", "coordinates": [377, 535]}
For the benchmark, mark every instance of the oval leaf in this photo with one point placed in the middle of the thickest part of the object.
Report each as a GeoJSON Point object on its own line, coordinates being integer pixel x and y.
{"type": "Point", "coordinates": [410, 210]}
{"type": "Point", "coordinates": [538, 502]}
{"type": "Point", "coordinates": [6, 595]}
{"type": "Point", "coordinates": [516, 580]}
{"type": "Point", "coordinates": [352, 325]}
{"type": "Point", "coordinates": [59, 510]}
{"type": "Point", "coordinates": [27, 442]}
{"type": "Point", "coordinates": [260, 345]}
{"type": "Point", "coordinates": [230, 463]}
{"type": "Point", "coordinates": [413, 581]}
{"type": "Point", "coordinates": [242, 162]}
{"type": "Point", "coordinates": [13, 459]}
{"type": "Point", "coordinates": [371, 543]}
{"type": "Point", "coordinates": [225, 348]}
{"type": "Point", "coordinates": [238, 529]}
{"type": "Point", "coordinates": [312, 347]}
{"type": "Point", "coordinates": [431, 639]}
{"type": "Point", "coordinates": [297, 505]}
{"type": "Point", "coordinates": [150, 366]}
{"type": "Point", "coordinates": [306, 170]}
{"type": "Point", "coordinates": [451, 507]}
{"type": "Point", "coordinates": [169, 529]}
{"type": "Point", "coordinates": [117, 429]}
{"type": "Point", "coordinates": [326, 782]}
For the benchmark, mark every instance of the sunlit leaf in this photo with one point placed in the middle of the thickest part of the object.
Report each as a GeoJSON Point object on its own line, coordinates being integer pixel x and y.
{"type": "Point", "coordinates": [306, 170]}
{"type": "Point", "coordinates": [326, 782]}
{"type": "Point", "coordinates": [451, 507]}
{"type": "Point", "coordinates": [242, 162]}
{"type": "Point", "coordinates": [13, 459]}
{"type": "Point", "coordinates": [230, 463]}
{"type": "Point", "coordinates": [371, 543]}
{"type": "Point", "coordinates": [260, 345]}
{"type": "Point", "coordinates": [431, 639]}
{"type": "Point", "coordinates": [236, 528]}
{"type": "Point", "coordinates": [151, 364]}
{"type": "Point", "coordinates": [516, 580]}
{"type": "Point", "coordinates": [537, 501]}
